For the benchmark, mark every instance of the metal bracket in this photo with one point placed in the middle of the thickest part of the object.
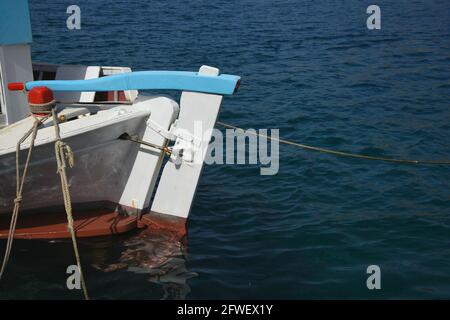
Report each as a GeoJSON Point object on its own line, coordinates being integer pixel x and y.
{"type": "Point", "coordinates": [186, 144]}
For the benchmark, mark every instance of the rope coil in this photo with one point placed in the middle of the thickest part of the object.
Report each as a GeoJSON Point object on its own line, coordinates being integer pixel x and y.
{"type": "Point", "coordinates": [43, 108]}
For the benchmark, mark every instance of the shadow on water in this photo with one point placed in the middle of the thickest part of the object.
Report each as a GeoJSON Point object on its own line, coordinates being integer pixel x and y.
{"type": "Point", "coordinates": [143, 264]}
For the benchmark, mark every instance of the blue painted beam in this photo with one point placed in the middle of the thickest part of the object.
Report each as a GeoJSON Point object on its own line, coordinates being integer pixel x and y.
{"type": "Point", "coordinates": [15, 27]}
{"type": "Point", "coordinates": [143, 80]}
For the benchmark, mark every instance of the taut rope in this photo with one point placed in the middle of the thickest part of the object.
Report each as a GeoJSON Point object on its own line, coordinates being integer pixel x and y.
{"type": "Point", "coordinates": [340, 153]}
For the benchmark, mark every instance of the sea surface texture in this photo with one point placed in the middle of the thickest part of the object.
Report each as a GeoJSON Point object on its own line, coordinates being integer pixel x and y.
{"type": "Point", "coordinates": [313, 70]}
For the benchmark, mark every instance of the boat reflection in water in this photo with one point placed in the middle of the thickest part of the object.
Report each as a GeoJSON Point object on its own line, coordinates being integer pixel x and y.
{"type": "Point", "coordinates": [160, 254]}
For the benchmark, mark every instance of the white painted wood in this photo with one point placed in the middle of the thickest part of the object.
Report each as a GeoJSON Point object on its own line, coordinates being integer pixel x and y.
{"type": "Point", "coordinates": [178, 183]}
{"type": "Point", "coordinates": [147, 164]}
{"type": "Point", "coordinates": [15, 66]}
{"type": "Point", "coordinates": [67, 72]}
{"type": "Point", "coordinates": [72, 112]}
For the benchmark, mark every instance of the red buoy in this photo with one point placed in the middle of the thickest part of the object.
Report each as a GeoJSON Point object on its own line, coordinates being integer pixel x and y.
{"type": "Point", "coordinates": [40, 96]}
{"type": "Point", "coordinates": [41, 101]}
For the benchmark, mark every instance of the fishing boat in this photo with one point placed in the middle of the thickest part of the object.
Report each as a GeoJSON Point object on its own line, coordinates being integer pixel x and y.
{"type": "Point", "coordinates": [137, 158]}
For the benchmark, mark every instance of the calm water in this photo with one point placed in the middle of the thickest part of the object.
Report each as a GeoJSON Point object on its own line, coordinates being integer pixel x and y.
{"type": "Point", "coordinates": [313, 70]}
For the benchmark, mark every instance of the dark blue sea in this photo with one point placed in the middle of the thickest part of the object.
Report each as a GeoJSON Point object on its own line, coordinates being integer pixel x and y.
{"type": "Point", "coordinates": [314, 71]}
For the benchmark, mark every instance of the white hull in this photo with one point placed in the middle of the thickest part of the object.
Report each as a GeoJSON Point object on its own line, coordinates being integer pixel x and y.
{"type": "Point", "coordinates": [102, 167]}
{"type": "Point", "coordinates": [103, 163]}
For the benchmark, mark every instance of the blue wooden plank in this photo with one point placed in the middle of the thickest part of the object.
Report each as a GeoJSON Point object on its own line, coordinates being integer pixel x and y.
{"type": "Point", "coordinates": [142, 80]}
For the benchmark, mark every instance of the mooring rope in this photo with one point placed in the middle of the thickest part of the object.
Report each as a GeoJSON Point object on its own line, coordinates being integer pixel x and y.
{"type": "Point", "coordinates": [338, 153]}
{"type": "Point", "coordinates": [20, 181]}
{"type": "Point", "coordinates": [63, 152]}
